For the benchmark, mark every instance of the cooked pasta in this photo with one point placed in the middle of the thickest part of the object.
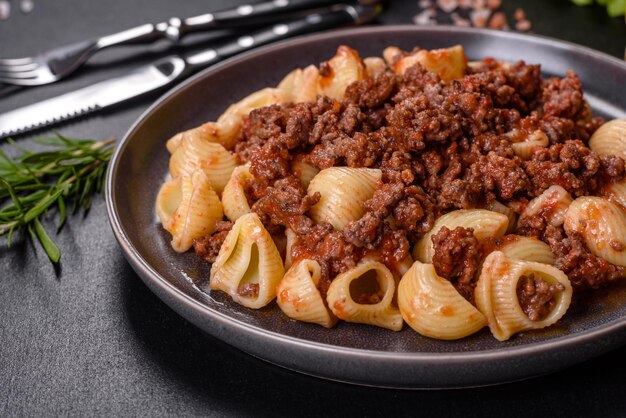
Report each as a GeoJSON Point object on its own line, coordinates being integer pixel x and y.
{"type": "Point", "coordinates": [379, 191]}
{"type": "Point", "coordinates": [194, 153]}
{"type": "Point", "coordinates": [301, 85]}
{"type": "Point", "coordinates": [447, 63]}
{"type": "Point", "coordinates": [364, 294]}
{"type": "Point", "coordinates": [248, 266]}
{"type": "Point", "coordinates": [188, 208]}
{"type": "Point", "coordinates": [616, 192]}
{"type": "Point", "coordinates": [505, 283]}
{"type": "Point", "coordinates": [602, 225]}
{"type": "Point", "coordinates": [485, 224]}
{"type": "Point", "coordinates": [305, 172]}
{"type": "Point", "coordinates": [527, 249]}
{"type": "Point", "coordinates": [234, 197]}
{"type": "Point", "coordinates": [229, 122]}
{"type": "Point", "coordinates": [496, 206]}
{"type": "Point", "coordinates": [340, 71]}
{"type": "Point", "coordinates": [551, 204]}
{"type": "Point", "coordinates": [298, 297]}
{"type": "Point", "coordinates": [343, 191]}
{"type": "Point", "coordinates": [433, 307]}
{"type": "Point", "coordinates": [610, 138]}
{"type": "Point", "coordinates": [525, 144]}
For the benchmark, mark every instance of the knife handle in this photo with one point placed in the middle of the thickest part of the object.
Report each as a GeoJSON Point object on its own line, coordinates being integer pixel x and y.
{"type": "Point", "coordinates": [174, 29]}
{"type": "Point", "coordinates": [338, 15]}
{"type": "Point", "coordinates": [250, 14]}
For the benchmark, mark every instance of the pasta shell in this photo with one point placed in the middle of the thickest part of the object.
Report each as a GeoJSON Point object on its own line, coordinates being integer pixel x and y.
{"type": "Point", "coordinates": [343, 69]}
{"type": "Point", "coordinates": [403, 266]}
{"type": "Point", "coordinates": [486, 224]}
{"type": "Point", "coordinates": [208, 132]}
{"type": "Point", "coordinates": [602, 225]}
{"type": "Point", "coordinates": [248, 266]}
{"type": "Point", "coordinates": [496, 294]}
{"type": "Point", "coordinates": [433, 307]}
{"type": "Point", "coordinates": [496, 206]}
{"type": "Point", "coordinates": [234, 197]}
{"type": "Point", "coordinates": [343, 192]}
{"type": "Point", "coordinates": [374, 66]}
{"type": "Point", "coordinates": [188, 208]}
{"type": "Point", "coordinates": [291, 238]}
{"type": "Point", "coordinates": [616, 192]}
{"type": "Point", "coordinates": [301, 85]}
{"type": "Point", "coordinates": [391, 54]}
{"type": "Point", "coordinates": [527, 249]}
{"type": "Point", "coordinates": [298, 297]}
{"type": "Point", "coordinates": [168, 199]}
{"type": "Point", "coordinates": [610, 138]}
{"type": "Point", "coordinates": [230, 121]}
{"type": "Point", "coordinates": [306, 172]}
{"type": "Point", "coordinates": [212, 158]}
{"type": "Point", "coordinates": [532, 142]}
{"type": "Point", "coordinates": [552, 204]}
{"type": "Point", "coordinates": [447, 63]}
{"type": "Point", "coordinates": [370, 279]}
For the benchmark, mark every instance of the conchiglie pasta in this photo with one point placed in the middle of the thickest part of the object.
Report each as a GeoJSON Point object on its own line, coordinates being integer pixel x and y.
{"type": "Point", "coordinates": [301, 85]}
{"type": "Point", "coordinates": [496, 206]}
{"type": "Point", "coordinates": [527, 249]}
{"type": "Point", "coordinates": [343, 69]}
{"type": "Point", "coordinates": [188, 208]}
{"type": "Point", "coordinates": [364, 294]}
{"type": "Point", "coordinates": [616, 192]}
{"type": "Point", "coordinates": [486, 224]}
{"type": "Point", "coordinates": [403, 266]}
{"type": "Point", "coordinates": [291, 238]}
{"type": "Point", "coordinates": [610, 139]}
{"type": "Point", "coordinates": [433, 307]}
{"type": "Point", "coordinates": [234, 197]}
{"type": "Point", "coordinates": [230, 121]}
{"type": "Point", "coordinates": [447, 63]}
{"type": "Point", "coordinates": [529, 144]}
{"type": "Point", "coordinates": [551, 204]}
{"type": "Point", "coordinates": [305, 172]}
{"type": "Point", "coordinates": [196, 153]}
{"type": "Point", "coordinates": [343, 192]}
{"type": "Point", "coordinates": [374, 66]}
{"type": "Point", "coordinates": [501, 282]}
{"type": "Point", "coordinates": [298, 297]}
{"type": "Point", "coordinates": [248, 266]}
{"type": "Point", "coordinates": [208, 131]}
{"type": "Point", "coordinates": [601, 224]}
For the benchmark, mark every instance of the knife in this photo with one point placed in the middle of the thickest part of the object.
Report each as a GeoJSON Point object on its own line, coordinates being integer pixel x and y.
{"type": "Point", "coordinates": [169, 70]}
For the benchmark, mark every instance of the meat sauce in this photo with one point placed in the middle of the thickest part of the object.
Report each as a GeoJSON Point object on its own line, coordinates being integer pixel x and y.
{"type": "Point", "coordinates": [440, 147]}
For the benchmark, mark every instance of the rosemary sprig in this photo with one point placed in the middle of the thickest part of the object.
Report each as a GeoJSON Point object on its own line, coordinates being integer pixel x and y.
{"type": "Point", "coordinates": [34, 182]}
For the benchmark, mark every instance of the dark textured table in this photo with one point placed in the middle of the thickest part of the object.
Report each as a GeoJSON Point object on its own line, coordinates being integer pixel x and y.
{"type": "Point", "coordinates": [88, 338]}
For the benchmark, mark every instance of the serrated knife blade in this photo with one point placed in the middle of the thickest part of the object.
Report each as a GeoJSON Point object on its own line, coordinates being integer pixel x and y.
{"type": "Point", "coordinates": [140, 81]}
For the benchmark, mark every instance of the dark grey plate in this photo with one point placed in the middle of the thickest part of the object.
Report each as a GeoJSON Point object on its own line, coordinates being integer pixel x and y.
{"type": "Point", "coordinates": [352, 353]}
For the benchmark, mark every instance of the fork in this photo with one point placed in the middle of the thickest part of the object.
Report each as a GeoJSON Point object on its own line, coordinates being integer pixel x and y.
{"type": "Point", "coordinates": [55, 64]}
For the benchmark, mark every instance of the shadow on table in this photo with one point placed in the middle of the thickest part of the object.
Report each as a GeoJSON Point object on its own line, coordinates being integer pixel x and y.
{"type": "Point", "coordinates": [221, 376]}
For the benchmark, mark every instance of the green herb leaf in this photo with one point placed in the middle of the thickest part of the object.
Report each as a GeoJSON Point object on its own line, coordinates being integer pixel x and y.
{"type": "Point", "coordinates": [34, 183]}
{"type": "Point", "coordinates": [613, 7]}
{"type": "Point", "coordinates": [48, 245]}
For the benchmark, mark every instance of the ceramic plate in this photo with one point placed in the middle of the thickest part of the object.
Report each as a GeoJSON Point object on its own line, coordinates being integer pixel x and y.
{"type": "Point", "coordinates": [352, 353]}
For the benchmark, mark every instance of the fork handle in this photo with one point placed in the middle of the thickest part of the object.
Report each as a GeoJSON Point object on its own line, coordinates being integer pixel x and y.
{"type": "Point", "coordinates": [175, 28]}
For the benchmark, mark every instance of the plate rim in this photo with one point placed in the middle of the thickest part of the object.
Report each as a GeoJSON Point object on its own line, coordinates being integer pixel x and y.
{"type": "Point", "coordinates": [152, 278]}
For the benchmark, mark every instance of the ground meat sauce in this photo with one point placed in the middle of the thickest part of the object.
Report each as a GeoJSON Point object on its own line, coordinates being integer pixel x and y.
{"type": "Point", "coordinates": [457, 258]}
{"type": "Point", "coordinates": [440, 147]}
{"type": "Point", "coordinates": [209, 246]}
{"type": "Point", "coordinates": [536, 296]}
